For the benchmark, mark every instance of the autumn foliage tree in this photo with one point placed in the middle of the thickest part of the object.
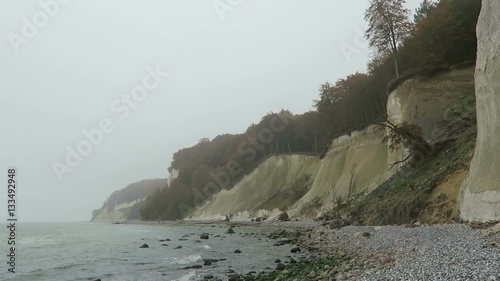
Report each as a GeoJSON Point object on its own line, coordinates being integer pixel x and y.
{"type": "Point", "coordinates": [388, 26]}
{"type": "Point", "coordinates": [350, 103]}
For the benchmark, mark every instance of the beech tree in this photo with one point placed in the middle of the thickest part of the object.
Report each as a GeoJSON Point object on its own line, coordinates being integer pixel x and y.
{"type": "Point", "coordinates": [388, 26]}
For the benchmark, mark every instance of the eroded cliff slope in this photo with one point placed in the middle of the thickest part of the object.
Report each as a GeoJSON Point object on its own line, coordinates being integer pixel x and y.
{"type": "Point", "coordinates": [355, 165]}
{"type": "Point", "coordinates": [274, 185]}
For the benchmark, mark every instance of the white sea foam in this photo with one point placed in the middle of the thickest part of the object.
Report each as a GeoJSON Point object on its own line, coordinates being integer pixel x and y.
{"type": "Point", "coordinates": [186, 260]}
{"type": "Point", "coordinates": [206, 247]}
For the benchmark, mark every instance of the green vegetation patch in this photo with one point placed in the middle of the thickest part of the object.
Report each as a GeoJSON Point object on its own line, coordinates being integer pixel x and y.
{"type": "Point", "coordinates": [300, 270]}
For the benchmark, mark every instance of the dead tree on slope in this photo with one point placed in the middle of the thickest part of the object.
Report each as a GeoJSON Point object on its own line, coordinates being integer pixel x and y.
{"type": "Point", "coordinates": [411, 137]}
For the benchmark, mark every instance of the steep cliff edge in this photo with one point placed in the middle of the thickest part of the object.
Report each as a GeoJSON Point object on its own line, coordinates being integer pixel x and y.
{"type": "Point", "coordinates": [360, 162]}
{"type": "Point", "coordinates": [481, 200]}
{"type": "Point", "coordinates": [356, 163]}
{"type": "Point", "coordinates": [271, 188]}
{"type": "Point", "coordinates": [444, 107]}
{"type": "Point", "coordinates": [125, 204]}
{"type": "Point", "coordinates": [426, 102]}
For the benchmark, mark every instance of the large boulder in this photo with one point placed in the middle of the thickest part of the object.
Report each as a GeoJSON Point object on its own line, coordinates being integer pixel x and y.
{"type": "Point", "coordinates": [481, 201]}
{"type": "Point", "coordinates": [283, 217]}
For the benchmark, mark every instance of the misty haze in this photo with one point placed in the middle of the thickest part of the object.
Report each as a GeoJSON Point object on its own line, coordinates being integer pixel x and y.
{"type": "Point", "coordinates": [250, 140]}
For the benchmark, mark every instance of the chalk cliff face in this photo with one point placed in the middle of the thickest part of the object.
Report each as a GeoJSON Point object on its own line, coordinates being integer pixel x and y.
{"type": "Point", "coordinates": [481, 200]}
{"type": "Point", "coordinates": [301, 185]}
{"type": "Point", "coordinates": [356, 164]}
{"type": "Point", "coordinates": [172, 175]}
{"type": "Point", "coordinates": [120, 212]}
{"type": "Point", "coordinates": [276, 184]}
{"type": "Point", "coordinates": [125, 204]}
{"type": "Point", "coordinates": [425, 102]}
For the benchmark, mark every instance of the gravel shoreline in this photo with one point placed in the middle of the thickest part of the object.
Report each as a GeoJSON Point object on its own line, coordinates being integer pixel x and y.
{"type": "Point", "coordinates": [382, 253]}
{"type": "Point", "coordinates": [416, 252]}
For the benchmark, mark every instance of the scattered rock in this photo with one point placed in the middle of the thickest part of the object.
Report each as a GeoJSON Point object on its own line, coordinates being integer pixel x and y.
{"type": "Point", "coordinates": [143, 246]}
{"type": "Point", "coordinates": [387, 260]}
{"type": "Point", "coordinates": [230, 231]}
{"type": "Point", "coordinates": [280, 266]}
{"type": "Point", "coordinates": [341, 277]}
{"type": "Point", "coordinates": [196, 266]}
{"type": "Point", "coordinates": [336, 223]}
{"type": "Point", "coordinates": [178, 247]}
{"type": "Point", "coordinates": [362, 234]}
{"type": "Point", "coordinates": [237, 251]}
{"type": "Point", "coordinates": [295, 250]}
{"type": "Point", "coordinates": [204, 236]}
{"type": "Point", "coordinates": [283, 217]}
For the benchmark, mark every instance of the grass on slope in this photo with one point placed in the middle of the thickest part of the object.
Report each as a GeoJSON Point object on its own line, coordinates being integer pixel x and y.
{"type": "Point", "coordinates": [408, 195]}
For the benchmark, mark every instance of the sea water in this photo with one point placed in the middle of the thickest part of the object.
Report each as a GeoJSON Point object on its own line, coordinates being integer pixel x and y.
{"type": "Point", "coordinates": [111, 252]}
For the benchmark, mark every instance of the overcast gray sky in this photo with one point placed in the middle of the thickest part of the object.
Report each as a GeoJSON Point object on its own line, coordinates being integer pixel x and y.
{"type": "Point", "coordinates": [75, 67]}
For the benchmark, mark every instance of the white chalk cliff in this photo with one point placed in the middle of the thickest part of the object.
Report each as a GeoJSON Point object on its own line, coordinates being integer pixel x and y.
{"type": "Point", "coordinates": [356, 163]}
{"type": "Point", "coordinates": [125, 204]}
{"type": "Point", "coordinates": [275, 184]}
{"type": "Point", "coordinates": [481, 191]}
{"type": "Point", "coordinates": [172, 175]}
{"type": "Point", "coordinates": [119, 212]}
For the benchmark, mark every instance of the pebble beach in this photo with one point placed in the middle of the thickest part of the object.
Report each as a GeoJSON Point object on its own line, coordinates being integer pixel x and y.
{"type": "Point", "coordinates": [409, 252]}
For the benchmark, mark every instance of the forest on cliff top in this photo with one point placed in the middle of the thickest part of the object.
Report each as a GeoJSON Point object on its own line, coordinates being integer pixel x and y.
{"type": "Point", "coordinates": [441, 35]}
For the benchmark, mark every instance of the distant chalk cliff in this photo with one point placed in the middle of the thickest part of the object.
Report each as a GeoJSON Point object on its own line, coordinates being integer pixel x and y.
{"type": "Point", "coordinates": [125, 204]}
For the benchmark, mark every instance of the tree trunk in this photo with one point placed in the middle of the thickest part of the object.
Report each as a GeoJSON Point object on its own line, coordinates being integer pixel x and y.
{"type": "Point", "coordinates": [396, 66]}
